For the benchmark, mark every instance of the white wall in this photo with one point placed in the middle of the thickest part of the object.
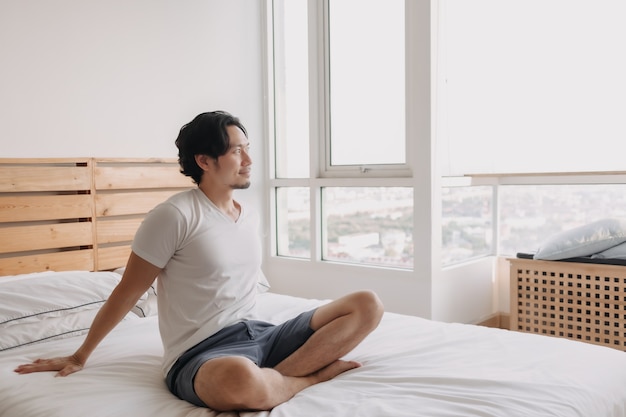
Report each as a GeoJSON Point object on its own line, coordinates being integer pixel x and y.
{"type": "Point", "coordinates": [119, 78]}
{"type": "Point", "coordinates": [468, 293]}
{"type": "Point", "coordinates": [406, 292]}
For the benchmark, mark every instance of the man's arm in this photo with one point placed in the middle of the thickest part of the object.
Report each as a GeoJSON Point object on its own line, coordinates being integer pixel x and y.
{"type": "Point", "coordinates": [138, 277]}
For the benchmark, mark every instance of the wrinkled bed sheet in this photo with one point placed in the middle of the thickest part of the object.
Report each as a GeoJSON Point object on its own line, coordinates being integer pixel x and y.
{"type": "Point", "coordinates": [411, 367]}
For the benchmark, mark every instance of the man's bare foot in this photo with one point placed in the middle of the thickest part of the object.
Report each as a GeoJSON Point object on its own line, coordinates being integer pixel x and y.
{"type": "Point", "coordinates": [334, 369]}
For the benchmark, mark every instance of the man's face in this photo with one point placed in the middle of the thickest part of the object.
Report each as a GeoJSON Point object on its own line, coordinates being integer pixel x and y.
{"type": "Point", "coordinates": [233, 168]}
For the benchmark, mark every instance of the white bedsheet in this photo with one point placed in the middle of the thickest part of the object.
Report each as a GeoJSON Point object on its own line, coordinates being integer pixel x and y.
{"type": "Point", "coordinates": [411, 367]}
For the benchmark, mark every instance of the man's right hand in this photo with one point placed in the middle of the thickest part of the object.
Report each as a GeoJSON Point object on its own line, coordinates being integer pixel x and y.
{"type": "Point", "coordinates": [137, 278]}
{"type": "Point", "coordinates": [63, 365]}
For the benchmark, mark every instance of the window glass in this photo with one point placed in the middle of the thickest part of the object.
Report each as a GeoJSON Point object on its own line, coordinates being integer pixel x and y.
{"type": "Point", "coordinates": [368, 225]}
{"type": "Point", "coordinates": [293, 220]}
{"type": "Point", "coordinates": [529, 214]}
{"type": "Point", "coordinates": [367, 87]}
{"type": "Point", "coordinates": [467, 223]}
{"type": "Point", "coordinates": [530, 85]}
{"type": "Point", "coordinates": [291, 84]}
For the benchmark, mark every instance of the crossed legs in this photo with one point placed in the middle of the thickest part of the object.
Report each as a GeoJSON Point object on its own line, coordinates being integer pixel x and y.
{"type": "Point", "coordinates": [236, 383]}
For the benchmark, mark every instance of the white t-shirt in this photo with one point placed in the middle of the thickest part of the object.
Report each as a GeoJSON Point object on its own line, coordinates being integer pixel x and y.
{"type": "Point", "coordinates": [211, 266]}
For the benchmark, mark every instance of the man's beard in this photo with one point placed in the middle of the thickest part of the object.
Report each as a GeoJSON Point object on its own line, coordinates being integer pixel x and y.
{"type": "Point", "coordinates": [240, 186]}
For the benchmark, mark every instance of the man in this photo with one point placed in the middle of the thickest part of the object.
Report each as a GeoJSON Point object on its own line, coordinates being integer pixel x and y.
{"type": "Point", "coordinates": [205, 249]}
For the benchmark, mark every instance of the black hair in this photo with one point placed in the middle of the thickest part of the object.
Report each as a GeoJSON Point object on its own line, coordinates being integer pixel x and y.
{"type": "Point", "coordinates": [206, 134]}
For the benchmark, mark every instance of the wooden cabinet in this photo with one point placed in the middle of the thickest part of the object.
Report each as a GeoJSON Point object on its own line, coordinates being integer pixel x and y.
{"type": "Point", "coordinates": [579, 301]}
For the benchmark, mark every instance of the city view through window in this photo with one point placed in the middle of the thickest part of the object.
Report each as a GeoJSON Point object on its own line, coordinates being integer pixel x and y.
{"type": "Point", "coordinates": [365, 225]}
{"type": "Point", "coordinates": [374, 225]}
{"type": "Point", "coordinates": [528, 215]}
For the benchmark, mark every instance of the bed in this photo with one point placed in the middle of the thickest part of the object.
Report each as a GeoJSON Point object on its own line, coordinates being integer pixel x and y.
{"type": "Point", "coordinates": [411, 366]}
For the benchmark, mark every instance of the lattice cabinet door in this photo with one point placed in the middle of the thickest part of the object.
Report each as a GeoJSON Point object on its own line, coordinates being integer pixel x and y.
{"type": "Point", "coordinates": [579, 301]}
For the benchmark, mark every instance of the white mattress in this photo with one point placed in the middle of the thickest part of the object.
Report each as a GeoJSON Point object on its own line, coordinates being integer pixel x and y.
{"type": "Point", "coordinates": [411, 367]}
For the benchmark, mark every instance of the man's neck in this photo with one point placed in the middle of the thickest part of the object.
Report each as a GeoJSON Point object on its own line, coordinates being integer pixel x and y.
{"type": "Point", "coordinates": [223, 200]}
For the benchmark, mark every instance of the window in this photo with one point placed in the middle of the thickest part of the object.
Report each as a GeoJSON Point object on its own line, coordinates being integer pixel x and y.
{"type": "Point", "coordinates": [506, 101]}
{"type": "Point", "coordinates": [369, 225]}
{"type": "Point", "coordinates": [531, 213]}
{"type": "Point", "coordinates": [514, 101]}
{"type": "Point", "coordinates": [531, 86]}
{"type": "Point", "coordinates": [293, 231]}
{"type": "Point", "coordinates": [367, 88]}
{"type": "Point", "coordinates": [344, 197]}
{"type": "Point", "coordinates": [291, 82]}
{"type": "Point", "coordinates": [466, 223]}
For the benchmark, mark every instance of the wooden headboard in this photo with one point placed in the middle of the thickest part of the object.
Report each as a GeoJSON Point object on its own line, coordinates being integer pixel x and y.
{"type": "Point", "coordinates": [77, 213]}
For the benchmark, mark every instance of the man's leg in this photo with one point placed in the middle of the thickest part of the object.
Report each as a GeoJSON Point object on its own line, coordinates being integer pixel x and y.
{"type": "Point", "coordinates": [236, 383]}
{"type": "Point", "coordinates": [339, 327]}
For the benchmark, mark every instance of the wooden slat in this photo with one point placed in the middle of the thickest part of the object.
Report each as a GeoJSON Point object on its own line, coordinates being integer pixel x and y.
{"type": "Point", "coordinates": [140, 177]}
{"type": "Point", "coordinates": [49, 236]}
{"type": "Point", "coordinates": [44, 178]}
{"type": "Point", "coordinates": [118, 230]}
{"type": "Point", "coordinates": [58, 261]}
{"type": "Point", "coordinates": [119, 161]}
{"type": "Point", "coordinates": [513, 294]}
{"type": "Point", "coordinates": [112, 257]}
{"type": "Point", "coordinates": [46, 161]}
{"type": "Point", "coordinates": [22, 208]}
{"type": "Point", "coordinates": [120, 204]}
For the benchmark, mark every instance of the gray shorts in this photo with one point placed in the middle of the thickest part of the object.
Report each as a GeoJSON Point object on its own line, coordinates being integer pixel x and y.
{"type": "Point", "coordinates": [263, 343]}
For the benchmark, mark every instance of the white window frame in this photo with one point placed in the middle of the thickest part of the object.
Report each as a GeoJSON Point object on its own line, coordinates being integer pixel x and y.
{"type": "Point", "coordinates": [320, 99]}
{"type": "Point", "coordinates": [322, 174]}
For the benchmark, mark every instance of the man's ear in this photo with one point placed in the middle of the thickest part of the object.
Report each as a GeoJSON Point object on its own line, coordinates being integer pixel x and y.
{"type": "Point", "coordinates": [203, 161]}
